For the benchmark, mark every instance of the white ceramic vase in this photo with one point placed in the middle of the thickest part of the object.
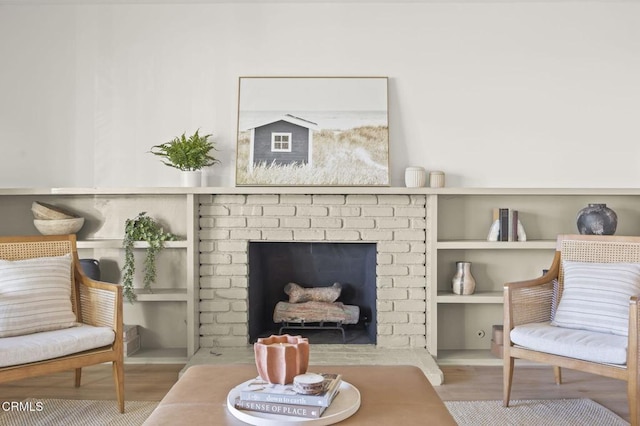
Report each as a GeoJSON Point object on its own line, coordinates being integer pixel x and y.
{"type": "Point", "coordinates": [191, 178]}
{"type": "Point", "coordinates": [415, 177]}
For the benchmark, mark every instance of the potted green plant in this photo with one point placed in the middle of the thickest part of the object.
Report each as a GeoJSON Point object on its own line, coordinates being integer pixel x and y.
{"type": "Point", "coordinates": [142, 228]}
{"type": "Point", "coordinates": [190, 154]}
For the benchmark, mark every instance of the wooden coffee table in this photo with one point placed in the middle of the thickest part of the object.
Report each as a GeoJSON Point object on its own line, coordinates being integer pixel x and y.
{"type": "Point", "coordinates": [390, 395]}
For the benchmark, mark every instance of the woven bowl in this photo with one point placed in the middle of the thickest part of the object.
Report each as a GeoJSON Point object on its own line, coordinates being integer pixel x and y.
{"type": "Point", "coordinates": [47, 211]}
{"type": "Point", "coordinates": [59, 227]}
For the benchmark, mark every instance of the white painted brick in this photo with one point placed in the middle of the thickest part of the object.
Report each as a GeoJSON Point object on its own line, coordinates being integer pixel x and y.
{"type": "Point", "coordinates": [296, 199]}
{"type": "Point", "coordinates": [409, 281]}
{"type": "Point", "coordinates": [214, 234]}
{"type": "Point", "coordinates": [240, 330]}
{"type": "Point", "coordinates": [384, 329]}
{"type": "Point", "coordinates": [393, 341]}
{"type": "Point", "coordinates": [263, 222]}
{"type": "Point", "coordinates": [418, 247]}
{"type": "Point", "coordinates": [409, 235]}
{"type": "Point", "coordinates": [344, 211]}
{"type": "Point", "coordinates": [418, 223]}
{"type": "Point", "coordinates": [363, 199]}
{"type": "Point", "coordinates": [279, 210]}
{"type": "Point", "coordinates": [359, 223]}
{"type": "Point", "coordinates": [215, 258]}
{"type": "Point", "coordinates": [241, 282]}
{"type": "Point", "coordinates": [392, 270]}
{"type": "Point", "coordinates": [410, 212]}
{"type": "Point", "coordinates": [417, 294]}
{"type": "Point", "coordinates": [371, 235]}
{"type": "Point", "coordinates": [206, 222]}
{"type": "Point", "coordinates": [384, 305]}
{"type": "Point", "coordinates": [308, 234]}
{"type": "Point", "coordinates": [410, 305]}
{"type": "Point", "coordinates": [244, 234]}
{"type": "Point", "coordinates": [326, 222]}
{"type": "Point", "coordinates": [245, 210]}
{"type": "Point", "coordinates": [418, 318]}
{"type": "Point", "coordinates": [206, 318]}
{"type": "Point", "coordinates": [214, 210]}
{"type": "Point", "coordinates": [384, 259]}
{"type": "Point", "coordinates": [232, 246]}
{"type": "Point", "coordinates": [239, 258]}
{"type": "Point", "coordinates": [382, 282]}
{"type": "Point", "coordinates": [393, 294]}
{"type": "Point", "coordinates": [214, 282]}
{"type": "Point", "coordinates": [206, 293]}
{"type": "Point", "coordinates": [393, 247]}
{"type": "Point", "coordinates": [214, 306]}
{"type": "Point", "coordinates": [206, 270]}
{"type": "Point", "coordinates": [393, 223]}
{"type": "Point", "coordinates": [420, 270]}
{"type": "Point", "coordinates": [296, 222]}
{"type": "Point", "coordinates": [341, 235]}
{"type": "Point", "coordinates": [408, 329]}
{"type": "Point", "coordinates": [262, 199]}
{"type": "Point", "coordinates": [328, 199]}
{"type": "Point", "coordinates": [221, 330]}
{"type": "Point", "coordinates": [377, 211]}
{"type": "Point", "coordinates": [239, 306]}
{"type": "Point", "coordinates": [393, 318]}
{"type": "Point", "coordinates": [418, 200]}
{"type": "Point", "coordinates": [410, 258]}
{"type": "Point", "coordinates": [229, 199]}
{"type": "Point", "coordinates": [395, 200]}
{"type": "Point", "coordinates": [205, 199]}
{"type": "Point", "coordinates": [230, 270]}
{"type": "Point", "coordinates": [419, 342]}
{"type": "Point", "coordinates": [205, 246]}
{"type": "Point", "coordinates": [232, 293]}
{"type": "Point", "coordinates": [229, 342]}
{"type": "Point", "coordinates": [277, 235]}
{"type": "Point", "coordinates": [312, 211]}
{"type": "Point", "coordinates": [231, 317]}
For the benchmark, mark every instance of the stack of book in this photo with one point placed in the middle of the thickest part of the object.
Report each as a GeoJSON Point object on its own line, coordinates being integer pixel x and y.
{"type": "Point", "coordinates": [260, 396]}
{"type": "Point", "coordinates": [508, 226]}
{"type": "Point", "coordinates": [131, 339]}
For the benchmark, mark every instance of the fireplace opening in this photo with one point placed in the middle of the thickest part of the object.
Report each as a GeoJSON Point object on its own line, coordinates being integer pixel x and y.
{"type": "Point", "coordinates": [273, 265]}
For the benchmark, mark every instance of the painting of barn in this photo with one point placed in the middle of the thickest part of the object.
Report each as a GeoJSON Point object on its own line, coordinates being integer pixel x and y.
{"type": "Point", "coordinates": [329, 131]}
{"type": "Point", "coordinates": [283, 141]}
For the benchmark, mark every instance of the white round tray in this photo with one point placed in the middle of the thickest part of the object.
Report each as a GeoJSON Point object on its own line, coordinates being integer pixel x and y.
{"type": "Point", "coordinates": [344, 405]}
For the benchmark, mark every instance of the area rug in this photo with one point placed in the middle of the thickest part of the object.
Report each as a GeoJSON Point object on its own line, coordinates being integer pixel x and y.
{"type": "Point", "coordinates": [68, 412]}
{"type": "Point", "coordinates": [542, 412]}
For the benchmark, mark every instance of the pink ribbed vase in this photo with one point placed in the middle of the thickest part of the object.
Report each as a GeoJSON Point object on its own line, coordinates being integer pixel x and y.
{"type": "Point", "coordinates": [280, 358]}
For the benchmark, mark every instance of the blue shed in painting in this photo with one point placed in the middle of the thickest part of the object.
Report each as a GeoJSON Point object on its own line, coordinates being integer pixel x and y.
{"type": "Point", "coordinates": [286, 140]}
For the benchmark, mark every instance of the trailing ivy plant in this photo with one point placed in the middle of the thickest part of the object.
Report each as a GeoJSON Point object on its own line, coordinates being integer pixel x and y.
{"type": "Point", "coordinates": [142, 228]}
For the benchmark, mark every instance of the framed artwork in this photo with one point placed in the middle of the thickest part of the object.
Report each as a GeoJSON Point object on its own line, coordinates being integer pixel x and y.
{"type": "Point", "coordinates": [326, 131]}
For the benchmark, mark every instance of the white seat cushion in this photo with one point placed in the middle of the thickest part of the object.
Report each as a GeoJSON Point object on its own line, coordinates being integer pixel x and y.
{"type": "Point", "coordinates": [52, 344]}
{"type": "Point", "coordinates": [581, 344]}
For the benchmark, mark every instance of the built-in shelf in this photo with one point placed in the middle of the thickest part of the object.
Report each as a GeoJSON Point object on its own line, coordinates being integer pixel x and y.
{"type": "Point", "coordinates": [117, 244]}
{"type": "Point", "coordinates": [158, 356]}
{"type": "Point", "coordinates": [161, 295]}
{"type": "Point", "coordinates": [496, 245]}
{"type": "Point", "coordinates": [477, 297]}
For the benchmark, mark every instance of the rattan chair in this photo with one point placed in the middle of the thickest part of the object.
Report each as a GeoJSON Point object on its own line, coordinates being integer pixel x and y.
{"type": "Point", "coordinates": [532, 301]}
{"type": "Point", "coordinates": [94, 303]}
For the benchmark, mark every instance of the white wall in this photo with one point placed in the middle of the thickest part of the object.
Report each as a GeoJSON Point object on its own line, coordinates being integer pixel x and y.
{"type": "Point", "coordinates": [503, 94]}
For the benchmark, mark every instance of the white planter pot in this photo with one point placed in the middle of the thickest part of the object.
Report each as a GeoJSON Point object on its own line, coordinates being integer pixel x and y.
{"type": "Point", "coordinates": [192, 178]}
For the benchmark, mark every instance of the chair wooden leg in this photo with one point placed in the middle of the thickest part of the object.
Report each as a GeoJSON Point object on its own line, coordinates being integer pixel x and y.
{"type": "Point", "coordinates": [557, 372]}
{"type": "Point", "coordinates": [634, 405]}
{"type": "Point", "coordinates": [507, 376]}
{"type": "Point", "coordinates": [118, 377]}
{"type": "Point", "coordinates": [78, 377]}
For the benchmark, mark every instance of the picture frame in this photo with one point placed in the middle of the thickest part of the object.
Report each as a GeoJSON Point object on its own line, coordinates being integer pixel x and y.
{"type": "Point", "coordinates": [312, 131]}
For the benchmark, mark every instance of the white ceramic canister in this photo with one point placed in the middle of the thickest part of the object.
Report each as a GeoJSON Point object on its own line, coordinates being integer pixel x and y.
{"type": "Point", "coordinates": [415, 177]}
{"type": "Point", "coordinates": [436, 179]}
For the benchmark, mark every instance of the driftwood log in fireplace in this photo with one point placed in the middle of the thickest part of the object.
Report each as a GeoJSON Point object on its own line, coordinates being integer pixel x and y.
{"type": "Point", "coordinates": [314, 308]}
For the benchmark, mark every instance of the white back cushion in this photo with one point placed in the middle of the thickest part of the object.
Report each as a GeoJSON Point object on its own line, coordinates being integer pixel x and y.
{"type": "Point", "coordinates": [596, 296]}
{"type": "Point", "coordinates": [35, 295]}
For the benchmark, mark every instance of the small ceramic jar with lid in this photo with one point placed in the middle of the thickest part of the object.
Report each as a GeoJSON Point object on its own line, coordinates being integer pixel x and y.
{"type": "Point", "coordinates": [415, 177]}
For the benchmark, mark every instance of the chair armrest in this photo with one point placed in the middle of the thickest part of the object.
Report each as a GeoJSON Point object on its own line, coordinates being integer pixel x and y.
{"type": "Point", "coordinates": [633, 352]}
{"type": "Point", "coordinates": [100, 303]}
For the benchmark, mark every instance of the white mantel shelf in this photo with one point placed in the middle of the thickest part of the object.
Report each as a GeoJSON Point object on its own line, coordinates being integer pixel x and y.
{"type": "Point", "coordinates": [316, 190]}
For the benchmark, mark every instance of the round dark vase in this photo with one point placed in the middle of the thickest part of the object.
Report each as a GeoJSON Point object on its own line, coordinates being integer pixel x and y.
{"type": "Point", "coordinates": [91, 268]}
{"type": "Point", "coordinates": [597, 219]}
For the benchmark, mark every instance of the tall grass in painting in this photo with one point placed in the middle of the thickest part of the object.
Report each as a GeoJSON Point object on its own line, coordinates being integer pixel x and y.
{"type": "Point", "coordinates": [357, 156]}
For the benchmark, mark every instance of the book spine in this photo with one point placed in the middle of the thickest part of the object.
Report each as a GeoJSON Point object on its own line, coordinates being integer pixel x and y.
{"type": "Point", "coordinates": [307, 411]}
{"type": "Point", "coordinates": [323, 400]}
{"type": "Point", "coordinates": [514, 225]}
{"type": "Point", "coordinates": [504, 224]}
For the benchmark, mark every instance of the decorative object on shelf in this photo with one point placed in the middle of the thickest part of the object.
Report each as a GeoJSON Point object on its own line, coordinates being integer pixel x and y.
{"type": "Point", "coordinates": [285, 137]}
{"type": "Point", "coordinates": [280, 358]}
{"type": "Point", "coordinates": [142, 228]}
{"type": "Point", "coordinates": [54, 220]}
{"type": "Point", "coordinates": [415, 177]}
{"type": "Point", "coordinates": [91, 268]}
{"type": "Point", "coordinates": [188, 154]}
{"type": "Point", "coordinates": [506, 226]}
{"type": "Point", "coordinates": [436, 179]}
{"type": "Point", "coordinates": [463, 282]}
{"type": "Point", "coordinates": [597, 219]}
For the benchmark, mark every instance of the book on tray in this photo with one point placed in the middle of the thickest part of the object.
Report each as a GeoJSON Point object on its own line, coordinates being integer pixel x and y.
{"type": "Point", "coordinates": [261, 396]}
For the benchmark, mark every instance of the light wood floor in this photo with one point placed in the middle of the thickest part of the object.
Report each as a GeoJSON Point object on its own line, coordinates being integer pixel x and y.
{"type": "Point", "coordinates": [151, 383]}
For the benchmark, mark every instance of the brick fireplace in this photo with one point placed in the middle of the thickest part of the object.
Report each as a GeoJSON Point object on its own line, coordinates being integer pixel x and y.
{"type": "Point", "coordinates": [395, 223]}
